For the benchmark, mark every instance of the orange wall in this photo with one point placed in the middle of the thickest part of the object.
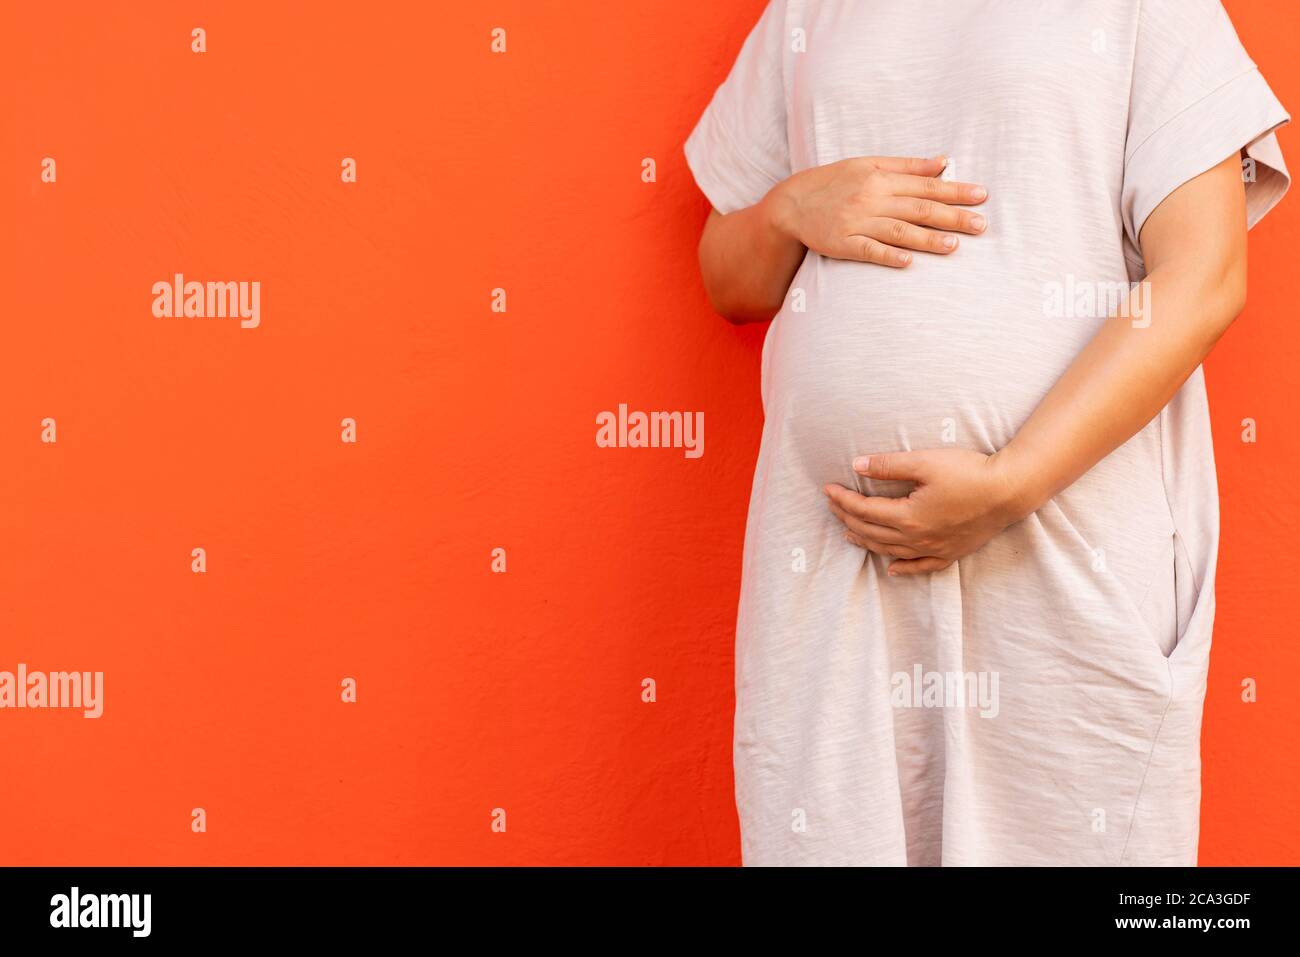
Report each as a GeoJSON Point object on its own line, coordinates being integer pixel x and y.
{"type": "Point", "coordinates": [476, 430]}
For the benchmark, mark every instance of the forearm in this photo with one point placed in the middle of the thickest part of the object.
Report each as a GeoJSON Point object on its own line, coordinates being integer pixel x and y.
{"type": "Point", "coordinates": [747, 261]}
{"type": "Point", "coordinates": [1194, 244]}
{"type": "Point", "coordinates": [1122, 379]}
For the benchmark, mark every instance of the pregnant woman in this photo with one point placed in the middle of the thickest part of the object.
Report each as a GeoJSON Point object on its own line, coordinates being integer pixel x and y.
{"type": "Point", "coordinates": [978, 588]}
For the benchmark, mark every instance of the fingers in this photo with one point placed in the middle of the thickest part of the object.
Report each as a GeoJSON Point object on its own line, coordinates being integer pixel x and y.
{"type": "Point", "coordinates": [868, 250]}
{"type": "Point", "coordinates": [874, 510]}
{"type": "Point", "coordinates": [927, 212]}
{"type": "Point", "coordinates": [901, 235]}
{"type": "Point", "coordinates": [869, 530]}
{"type": "Point", "coordinates": [936, 190]}
{"type": "Point", "coordinates": [863, 518]}
{"type": "Point", "coordinates": [911, 165]}
{"type": "Point", "coordinates": [880, 548]}
{"type": "Point", "coordinates": [911, 209]}
{"type": "Point", "coordinates": [917, 566]}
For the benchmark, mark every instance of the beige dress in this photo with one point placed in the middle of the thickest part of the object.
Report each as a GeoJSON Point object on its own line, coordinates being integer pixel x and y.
{"type": "Point", "coordinates": [1039, 702]}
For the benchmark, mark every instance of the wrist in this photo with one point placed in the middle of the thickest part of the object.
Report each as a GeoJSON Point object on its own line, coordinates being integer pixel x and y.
{"type": "Point", "coordinates": [1023, 490]}
{"type": "Point", "coordinates": [780, 206]}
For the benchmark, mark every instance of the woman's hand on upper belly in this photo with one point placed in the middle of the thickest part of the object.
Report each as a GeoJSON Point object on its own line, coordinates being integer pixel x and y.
{"type": "Point", "coordinates": [874, 208]}
{"type": "Point", "coordinates": [960, 500]}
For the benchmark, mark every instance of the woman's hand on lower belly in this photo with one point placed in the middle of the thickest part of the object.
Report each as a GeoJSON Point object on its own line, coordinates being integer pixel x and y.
{"type": "Point", "coordinates": [961, 499]}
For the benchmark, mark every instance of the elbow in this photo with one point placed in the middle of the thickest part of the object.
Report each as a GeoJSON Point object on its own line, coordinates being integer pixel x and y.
{"type": "Point", "coordinates": [716, 295]}
{"type": "Point", "coordinates": [743, 315]}
{"type": "Point", "coordinates": [735, 312]}
{"type": "Point", "coordinates": [1216, 289]}
{"type": "Point", "coordinates": [729, 299]}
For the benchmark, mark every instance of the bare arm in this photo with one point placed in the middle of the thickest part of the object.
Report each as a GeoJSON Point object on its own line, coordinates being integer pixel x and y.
{"type": "Point", "coordinates": [867, 209]}
{"type": "Point", "coordinates": [1194, 244]}
{"type": "Point", "coordinates": [747, 262]}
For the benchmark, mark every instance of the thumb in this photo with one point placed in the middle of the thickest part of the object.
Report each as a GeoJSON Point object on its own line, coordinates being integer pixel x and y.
{"type": "Point", "coordinates": [891, 466]}
{"type": "Point", "coordinates": [917, 566]}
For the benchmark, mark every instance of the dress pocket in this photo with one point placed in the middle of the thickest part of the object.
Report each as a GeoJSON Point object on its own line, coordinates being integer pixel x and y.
{"type": "Point", "coordinates": [1171, 598]}
{"type": "Point", "coordinates": [1186, 593]}
{"type": "Point", "coordinates": [1149, 613]}
{"type": "Point", "coordinates": [1158, 606]}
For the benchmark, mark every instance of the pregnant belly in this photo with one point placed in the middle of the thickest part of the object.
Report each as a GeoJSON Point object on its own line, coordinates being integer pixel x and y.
{"type": "Point", "coordinates": [934, 355]}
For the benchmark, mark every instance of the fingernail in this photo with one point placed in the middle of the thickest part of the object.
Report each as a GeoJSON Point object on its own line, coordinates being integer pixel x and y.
{"type": "Point", "coordinates": [977, 222]}
{"type": "Point", "coordinates": [862, 463]}
{"type": "Point", "coordinates": [979, 192]}
{"type": "Point", "coordinates": [904, 258]}
{"type": "Point", "coordinates": [950, 242]}
{"type": "Point", "coordinates": [892, 573]}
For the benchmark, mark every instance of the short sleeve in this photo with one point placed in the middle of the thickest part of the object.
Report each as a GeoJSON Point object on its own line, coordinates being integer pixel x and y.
{"type": "Point", "coordinates": [1196, 99]}
{"type": "Point", "coordinates": [740, 148]}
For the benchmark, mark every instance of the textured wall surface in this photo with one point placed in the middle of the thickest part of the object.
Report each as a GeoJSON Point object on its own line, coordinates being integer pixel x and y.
{"type": "Point", "coordinates": [476, 689]}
